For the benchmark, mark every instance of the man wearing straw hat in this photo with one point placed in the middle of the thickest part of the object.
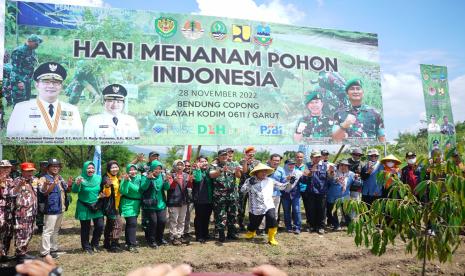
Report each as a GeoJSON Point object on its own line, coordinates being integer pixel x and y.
{"type": "Point", "coordinates": [260, 188]}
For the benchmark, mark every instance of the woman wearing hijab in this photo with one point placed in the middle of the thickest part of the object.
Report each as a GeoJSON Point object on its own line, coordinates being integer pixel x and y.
{"type": "Point", "coordinates": [87, 186]}
{"type": "Point", "coordinates": [130, 204]}
{"type": "Point", "coordinates": [113, 225]}
{"type": "Point", "coordinates": [153, 189]}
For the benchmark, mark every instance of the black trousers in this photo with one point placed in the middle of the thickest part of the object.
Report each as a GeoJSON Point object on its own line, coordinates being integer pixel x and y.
{"type": "Point", "coordinates": [317, 210]}
{"type": "Point", "coordinates": [156, 225]}
{"type": "Point", "coordinates": [203, 213]}
{"type": "Point", "coordinates": [369, 199]}
{"type": "Point", "coordinates": [255, 220]}
{"type": "Point", "coordinates": [333, 219]}
{"type": "Point", "coordinates": [305, 200]}
{"type": "Point", "coordinates": [130, 231]}
{"type": "Point", "coordinates": [96, 234]}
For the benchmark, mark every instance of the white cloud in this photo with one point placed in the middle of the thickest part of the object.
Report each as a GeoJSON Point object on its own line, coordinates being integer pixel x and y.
{"type": "Point", "coordinates": [456, 91]}
{"type": "Point", "coordinates": [88, 3]}
{"type": "Point", "coordinates": [272, 11]}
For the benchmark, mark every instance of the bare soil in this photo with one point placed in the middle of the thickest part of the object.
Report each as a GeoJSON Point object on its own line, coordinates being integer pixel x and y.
{"type": "Point", "coordinates": [306, 254]}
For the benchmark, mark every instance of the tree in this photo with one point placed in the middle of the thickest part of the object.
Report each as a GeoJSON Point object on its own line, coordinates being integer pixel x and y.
{"type": "Point", "coordinates": [428, 220]}
{"type": "Point", "coordinates": [262, 156]}
{"type": "Point", "coordinates": [173, 154]}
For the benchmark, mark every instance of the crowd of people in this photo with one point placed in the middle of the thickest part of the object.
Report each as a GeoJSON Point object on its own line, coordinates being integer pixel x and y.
{"type": "Point", "coordinates": [160, 196]}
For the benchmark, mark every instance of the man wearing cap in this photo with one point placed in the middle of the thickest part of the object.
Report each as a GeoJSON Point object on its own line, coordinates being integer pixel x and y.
{"type": "Point", "coordinates": [314, 125]}
{"type": "Point", "coordinates": [230, 152]}
{"type": "Point", "coordinates": [317, 179]}
{"type": "Point", "coordinates": [54, 188]}
{"type": "Point", "coordinates": [411, 173]}
{"type": "Point", "coordinates": [24, 196]}
{"type": "Point", "coordinates": [139, 159]}
{"type": "Point", "coordinates": [6, 212]}
{"type": "Point", "coordinates": [433, 126]}
{"type": "Point", "coordinates": [225, 195]}
{"type": "Point", "coordinates": [291, 199]}
{"type": "Point", "coordinates": [371, 190]}
{"type": "Point", "coordinates": [46, 116]}
{"type": "Point", "coordinates": [359, 120]}
{"type": "Point", "coordinates": [23, 61]}
{"type": "Point", "coordinates": [324, 155]}
{"type": "Point", "coordinates": [355, 166]}
{"type": "Point", "coordinates": [112, 123]}
{"type": "Point", "coordinates": [247, 163]}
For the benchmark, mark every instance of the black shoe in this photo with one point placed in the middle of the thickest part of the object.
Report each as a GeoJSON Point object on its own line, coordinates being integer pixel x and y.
{"type": "Point", "coordinates": [232, 236]}
{"type": "Point", "coordinates": [54, 255]}
{"type": "Point", "coordinates": [89, 251]}
{"type": "Point", "coordinates": [162, 242]}
{"type": "Point", "coordinates": [221, 236]}
{"type": "Point", "coordinates": [132, 249]}
{"type": "Point", "coordinates": [242, 228]}
{"type": "Point", "coordinates": [96, 249]}
{"type": "Point", "coordinates": [153, 245]}
{"type": "Point", "coordinates": [202, 240]}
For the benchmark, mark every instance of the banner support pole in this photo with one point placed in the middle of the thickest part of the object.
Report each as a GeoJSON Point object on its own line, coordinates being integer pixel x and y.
{"type": "Point", "coordinates": [338, 153]}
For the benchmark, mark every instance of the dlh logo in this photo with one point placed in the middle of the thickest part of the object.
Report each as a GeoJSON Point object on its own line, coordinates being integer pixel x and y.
{"type": "Point", "coordinates": [211, 129]}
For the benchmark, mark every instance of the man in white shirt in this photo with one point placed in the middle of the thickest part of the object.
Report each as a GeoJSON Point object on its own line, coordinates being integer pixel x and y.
{"type": "Point", "coordinates": [112, 123]}
{"type": "Point", "coordinates": [46, 116]}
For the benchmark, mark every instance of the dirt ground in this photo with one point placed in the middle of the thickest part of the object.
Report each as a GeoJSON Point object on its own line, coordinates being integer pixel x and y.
{"type": "Point", "coordinates": [306, 254]}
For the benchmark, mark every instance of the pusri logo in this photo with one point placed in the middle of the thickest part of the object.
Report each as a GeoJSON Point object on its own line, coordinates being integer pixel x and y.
{"type": "Point", "coordinates": [159, 128]}
{"type": "Point", "coordinates": [271, 130]}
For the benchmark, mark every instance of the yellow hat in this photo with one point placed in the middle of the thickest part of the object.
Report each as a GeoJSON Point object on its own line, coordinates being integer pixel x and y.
{"type": "Point", "coordinates": [390, 157]}
{"type": "Point", "coordinates": [262, 167]}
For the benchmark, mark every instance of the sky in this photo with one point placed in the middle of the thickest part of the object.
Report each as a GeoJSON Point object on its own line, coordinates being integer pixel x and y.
{"type": "Point", "coordinates": [410, 33]}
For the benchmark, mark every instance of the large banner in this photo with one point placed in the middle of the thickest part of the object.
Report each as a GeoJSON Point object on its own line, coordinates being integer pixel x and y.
{"type": "Point", "coordinates": [186, 79]}
{"type": "Point", "coordinates": [440, 122]}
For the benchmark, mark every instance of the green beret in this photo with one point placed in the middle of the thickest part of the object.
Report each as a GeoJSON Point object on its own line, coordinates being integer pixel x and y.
{"type": "Point", "coordinates": [312, 96]}
{"type": "Point", "coordinates": [352, 82]}
{"type": "Point", "coordinates": [34, 38]}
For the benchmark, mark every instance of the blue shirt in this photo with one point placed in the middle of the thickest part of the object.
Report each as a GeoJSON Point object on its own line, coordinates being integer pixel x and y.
{"type": "Point", "coordinates": [335, 188]}
{"type": "Point", "coordinates": [370, 186]}
{"type": "Point", "coordinates": [318, 182]}
{"type": "Point", "coordinates": [280, 176]}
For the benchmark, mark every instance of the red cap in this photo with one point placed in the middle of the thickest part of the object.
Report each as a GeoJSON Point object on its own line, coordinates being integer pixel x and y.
{"type": "Point", "coordinates": [27, 166]}
{"type": "Point", "coordinates": [249, 149]}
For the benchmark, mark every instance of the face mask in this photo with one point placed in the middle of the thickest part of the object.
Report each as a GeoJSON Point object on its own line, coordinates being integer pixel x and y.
{"type": "Point", "coordinates": [412, 161]}
{"type": "Point", "coordinates": [390, 164]}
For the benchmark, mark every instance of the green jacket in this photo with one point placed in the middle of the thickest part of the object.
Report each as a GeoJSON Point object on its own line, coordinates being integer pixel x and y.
{"type": "Point", "coordinates": [158, 191]}
{"type": "Point", "coordinates": [131, 194]}
{"type": "Point", "coordinates": [88, 192]}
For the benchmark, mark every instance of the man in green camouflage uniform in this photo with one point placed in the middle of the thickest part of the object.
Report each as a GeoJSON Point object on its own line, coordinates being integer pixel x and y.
{"type": "Point", "coordinates": [6, 87]}
{"type": "Point", "coordinates": [85, 77]}
{"type": "Point", "coordinates": [248, 164]}
{"type": "Point", "coordinates": [225, 195]}
{"type": "Point", "coordinates": [23, 61]}
{"type": "Point", "coordinates": [359, 120]}
{"type": "Point", "coordinates": [316, 124]}
{"type": "Point", "coordinates": [6, 184]}
{"type": "Point", "coordinates": [331, 85]}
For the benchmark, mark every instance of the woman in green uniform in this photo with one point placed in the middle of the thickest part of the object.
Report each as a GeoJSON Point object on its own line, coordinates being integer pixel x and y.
{"type": "Point", "coordinates": [153, 189]}
{"type": "Point", "coordinates": [87, 186]}
{"type": "Point", "coordinates": [130, 204]}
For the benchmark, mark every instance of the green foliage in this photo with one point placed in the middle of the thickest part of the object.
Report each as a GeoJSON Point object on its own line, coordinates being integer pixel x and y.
{"type": "Point", "coordinates": [10, 17]}
{"type": "Point", "coordinates": [173, 153]}
{"type": "Point", "coordinates": [428, 220]}
{"type": "Point", "coordinates": [262, 156]}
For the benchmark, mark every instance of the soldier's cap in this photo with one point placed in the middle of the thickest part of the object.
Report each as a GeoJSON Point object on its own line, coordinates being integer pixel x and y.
{"type": "Point", "coordinates": [153, 153]}
{"type": "Point", "coordinates": [436, 141]}
{"type": "Point", "coordinates": [222, 152]}
{"type": "Point", "coordinates": [262, 167]}
{"type": "Point", "coordinates": [344, 162]}
{"type": "Point", "coordinates": [324, 152]}
{"type": "Point", "coordinates": [356, 151]}
{"type": "Point", "coordinates": [390, 157]}
{"type": "Point", "coordinates": [114, 92]}
{"type": "Point", "coordinates": [176, 162]}
{"type": "Point", "coordinates": [433, 116]}
{"type": "Point", "coordinates": [290, 161]}
{"type": "Point", "coordinates": [410, 154]}
{"type": "Point", "coordinates": [35, 38]}
{"type": "Point", "coordinates": [50, 71]}
{"type": "Point", "coordinates": [53, 162]}
{"type": "Point", "coordinates": [26, 166]}
{"type": "Point", "coordinates": [315, 154]}
{"type": "Point", "coordinates": [229, 150]}
{"type": "Point", "coordinates": [13, 162]}
{"type": "Point", "coordinates": [373, 152]}
{"type": "Point", "coordinates": [312, 95]}
{"type": "Point", "coordinates": [249, 149]}
{"type": "Point", "coordinates": [43, 163]}
{"type": "Point", "coordinates": [352, 82]}
{"type": "Point", "coordinates": [5, 164]}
